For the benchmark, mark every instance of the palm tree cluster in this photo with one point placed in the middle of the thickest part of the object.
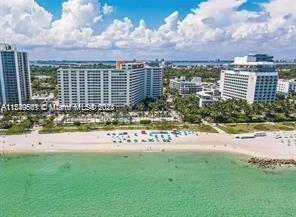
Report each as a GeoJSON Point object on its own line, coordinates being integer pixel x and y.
{"type": "Point", "coordinates": [236, 111]}
{"type": "Point", "coordinates": [286, 71]}
{"type": "Point", "coordinates": [189, 108]}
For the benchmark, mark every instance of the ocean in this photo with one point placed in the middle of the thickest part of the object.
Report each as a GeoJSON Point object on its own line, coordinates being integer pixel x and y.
{"type": "Point", "coordinates": [147, 184]}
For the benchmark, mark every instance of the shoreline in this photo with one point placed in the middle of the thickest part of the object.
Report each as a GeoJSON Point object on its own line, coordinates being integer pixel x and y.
{"type": "Point", "coordinates": [127, 151]}
{"type": "Point", "coordinates": [269, 146]}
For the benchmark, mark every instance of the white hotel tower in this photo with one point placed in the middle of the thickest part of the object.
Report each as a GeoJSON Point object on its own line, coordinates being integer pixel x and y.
{"type": "Point", "coordinates": [252, 78]}
{"type": "Point", "coordinates": [126, 85]}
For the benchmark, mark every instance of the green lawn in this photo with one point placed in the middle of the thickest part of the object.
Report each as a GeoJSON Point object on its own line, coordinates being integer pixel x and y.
{"type": "Point", "coordinates": [246, 128]}
{"type": "Point", "coordinates": [18, 128]}
{"type": "Point", "coordinates": [161, 125]}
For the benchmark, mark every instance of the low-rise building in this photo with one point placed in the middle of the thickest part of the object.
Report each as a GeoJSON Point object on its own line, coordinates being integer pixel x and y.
{"type": "Point", "coordinates": [183, 86]}
{"type": "Point", "coordinates": [42, 98]}
{"type": "Point", "coordinates": [196, 80]}
{"type": "Point", "coordinates": [207, 97]}
{"type": "Point", "coordinates": [286, 87]}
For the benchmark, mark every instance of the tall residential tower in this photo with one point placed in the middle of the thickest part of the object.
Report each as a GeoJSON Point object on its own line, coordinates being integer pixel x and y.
{"type": "Point", "coordinates": [15, 79]}
{"type": "Point", "coordinates": [252, 78]}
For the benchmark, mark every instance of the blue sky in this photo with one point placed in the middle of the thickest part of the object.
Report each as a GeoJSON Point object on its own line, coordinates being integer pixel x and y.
{"type": "Point", "coordinates": [152, 11]}
{"type": "Point", "coordinates": [170, 29]}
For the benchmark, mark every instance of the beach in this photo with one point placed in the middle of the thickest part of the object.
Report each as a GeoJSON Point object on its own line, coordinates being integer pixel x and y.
{"type": "Point", "coordinates": [280, 144]}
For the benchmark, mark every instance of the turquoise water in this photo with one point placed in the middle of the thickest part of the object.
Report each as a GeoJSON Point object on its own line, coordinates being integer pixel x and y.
{"type": "Point", "coordinates": [163, 184]}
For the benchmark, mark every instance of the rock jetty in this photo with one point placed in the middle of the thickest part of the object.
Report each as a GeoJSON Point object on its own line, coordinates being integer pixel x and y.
{"type": "Point", "coordinates": [271, 163]}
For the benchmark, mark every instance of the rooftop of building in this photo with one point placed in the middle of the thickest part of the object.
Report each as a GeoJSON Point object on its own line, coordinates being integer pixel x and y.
{"type": "Point", "coordinates": [254, 59]}
{"type": "Point", "coordinates": [204, 94]}
{"type": "Point", "coordinates": [182, 80]}
{"type": "Point", "coordinates": [7, 47]}
{"type": "Point", "coordinates": [252, 63]}
{"type": "Point", "coordinates": [119, 66]}
{"type": "Point", "coordinates": [286, 80]}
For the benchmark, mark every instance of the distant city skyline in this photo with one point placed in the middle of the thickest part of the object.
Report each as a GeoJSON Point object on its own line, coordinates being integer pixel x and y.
{"type": "Point", "coordinates": [169, 29]}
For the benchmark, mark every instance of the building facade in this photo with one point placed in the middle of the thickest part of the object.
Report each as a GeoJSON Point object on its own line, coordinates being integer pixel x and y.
{"type": "Point", "coordinates": [15, 78]}
{"type": "Point", "coordinates": [126, 85]}
{"type": "Point", "coordinates": [183, 86]}
{"type": "Point", "coordinates": [286, 87]}
{"type": "Point", "coordinates": [252, 78]}
{"type": "Point", "coordinates": [196, 80]}
{"type": "Point", "coordinates": [206, 98]}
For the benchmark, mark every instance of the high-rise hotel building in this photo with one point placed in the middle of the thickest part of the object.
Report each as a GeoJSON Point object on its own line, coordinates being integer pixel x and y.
{"type": "Point", "coordinates": [125, 85]}
{"type": "Point", "coordinates": [252, 78]}
{"type": "Point", "coordinates": [15, 79]}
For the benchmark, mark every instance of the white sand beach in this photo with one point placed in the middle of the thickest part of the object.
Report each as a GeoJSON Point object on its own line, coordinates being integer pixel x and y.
{"type": "Point", "coordinates": [274, 145]}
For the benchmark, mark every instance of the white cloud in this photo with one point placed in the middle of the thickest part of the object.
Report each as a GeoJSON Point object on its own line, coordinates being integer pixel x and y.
{"type": "Point", "coordinates": [74, 28]}
{"type": "Point", "coordinates": [23, 21]}
{"type": "Point", "coordinates": [216, 23]}
{"type": "Point", "coordinates": [107, 9]}
{"type": "Point", "coordinates": [215, 27]}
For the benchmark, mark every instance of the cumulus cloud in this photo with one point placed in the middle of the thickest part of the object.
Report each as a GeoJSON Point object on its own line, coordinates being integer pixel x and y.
{"type": "Point", "coordinates": [23, 21]}
{"type": "Point", "coordinates": [107, 9]}
{"type": "Point", "coordinates": [74, 26]}
{"type": "Point", "coordinates": [215, 23]}
{"type": "Point", "coordinates": [213, 26]}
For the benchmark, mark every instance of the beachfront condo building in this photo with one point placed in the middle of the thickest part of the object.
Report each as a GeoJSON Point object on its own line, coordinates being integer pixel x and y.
{"type": "Point", "coordinates": [286, 87]}
{"type": "Point", "coordinates": [15, 79]}
{"type": "Point", "coordinates": [125, 85]}
{"type": "Point", "coordinates": [251, 77]}
{"type": "Point", "coordinates": [184, 87]}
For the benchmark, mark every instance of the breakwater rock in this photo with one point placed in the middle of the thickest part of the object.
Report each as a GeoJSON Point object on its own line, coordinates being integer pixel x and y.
{"type": "Point", "coordinates": [270, 162]}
